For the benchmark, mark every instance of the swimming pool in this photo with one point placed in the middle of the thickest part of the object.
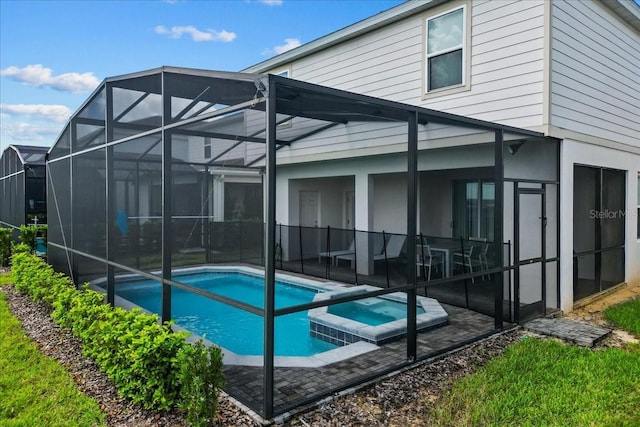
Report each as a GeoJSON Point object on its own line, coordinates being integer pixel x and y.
{"type": "Point", "coordinates": [232, 328]}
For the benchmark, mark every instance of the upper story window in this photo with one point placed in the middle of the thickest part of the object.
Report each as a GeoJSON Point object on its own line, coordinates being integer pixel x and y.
{"type": "Point", "coordinates": [445, 54]}
{"type": "Point", "coordinates": [207, 148]}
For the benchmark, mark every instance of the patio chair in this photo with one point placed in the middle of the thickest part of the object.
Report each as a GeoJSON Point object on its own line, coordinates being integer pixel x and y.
{"type": "Point", "coordinates": [378, 250]}
{"type": "Point", "coordinates": [482, 261]}
{"type": "Point", "coordinates": [335, 254]}
{"type": "Point", "coordinates": [428, 261]}
{"type": "Point", "coordinates": [392, 249]}
{"type": "Point", "coordinates": [466, 259]}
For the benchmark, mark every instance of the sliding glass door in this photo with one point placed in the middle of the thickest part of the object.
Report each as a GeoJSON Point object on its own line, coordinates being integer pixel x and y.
{"type": "Point", "coordinates": [473, 207]}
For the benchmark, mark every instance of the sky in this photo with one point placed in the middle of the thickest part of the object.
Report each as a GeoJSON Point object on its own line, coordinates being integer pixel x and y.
{"type": "Point", "coordinates": [53, 54]}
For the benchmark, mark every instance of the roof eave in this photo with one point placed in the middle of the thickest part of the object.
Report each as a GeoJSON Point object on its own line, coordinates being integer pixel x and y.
{"type": "Point", "coordinates": [627, 10]}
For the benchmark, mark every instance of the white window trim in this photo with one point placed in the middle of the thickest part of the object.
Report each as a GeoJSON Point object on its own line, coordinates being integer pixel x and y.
{"type": "Point", "coordinates": [282, 71]}
{"type": "Point", "coordinates": [466, 52]}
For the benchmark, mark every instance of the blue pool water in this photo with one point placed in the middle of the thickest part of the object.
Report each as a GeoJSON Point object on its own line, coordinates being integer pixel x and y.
{"type": "Point", "coordinates": [234, 329]}
{"type": "Point", "coordinates": [372, 311]}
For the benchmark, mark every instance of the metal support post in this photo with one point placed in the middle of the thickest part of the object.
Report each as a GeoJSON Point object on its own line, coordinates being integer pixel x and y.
{"type": "Point", "coordinates": [110, 196]}
{"type": "Point", "coordinates": [269, 250]}
{"type": "Point", "coordinates": [167, 235]}
{"type": "Point", "coordinates": [498, 225]}
{"type": "Point", "coordinates": [412, 175]}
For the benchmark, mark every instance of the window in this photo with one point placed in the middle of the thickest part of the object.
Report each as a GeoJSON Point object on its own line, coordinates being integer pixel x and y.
{"type": "Point", "coordinates": [207, 148]}
{"type": "Point", "coordinates": [445, 50]}
{"type": "Point", "coordinates": [473, 208]}
{"type": "Point", "coordinates": [638, 202]}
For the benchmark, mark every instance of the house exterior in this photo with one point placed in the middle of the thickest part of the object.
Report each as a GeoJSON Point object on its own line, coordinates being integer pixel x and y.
{"type": "Point", "coordinates": [568, 69]}
{"type": "Point", "coordinates": [445, 150]}
{"type": "Point", "coordinates": [129, 210]}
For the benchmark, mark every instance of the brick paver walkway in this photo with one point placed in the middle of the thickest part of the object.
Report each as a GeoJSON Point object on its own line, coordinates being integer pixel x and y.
{"type": "Point", "coordinates": [293, 385]}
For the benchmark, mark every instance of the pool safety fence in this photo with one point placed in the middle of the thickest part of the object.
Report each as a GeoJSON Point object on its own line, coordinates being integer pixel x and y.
{"type": "Point", "coordinates": [348, 256]}
{"type": "Point", "coordinates": [380, 258]}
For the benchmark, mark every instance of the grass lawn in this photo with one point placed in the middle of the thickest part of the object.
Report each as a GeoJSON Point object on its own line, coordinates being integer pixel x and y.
{"type": "Point", "coordinates": [625, 316]}
{"type": "Point", "coordinates": [545, 382]}
{"type": "Point", "coordinates": [36, 390]}
{"type": "Point", "coordinates": [5, 279]}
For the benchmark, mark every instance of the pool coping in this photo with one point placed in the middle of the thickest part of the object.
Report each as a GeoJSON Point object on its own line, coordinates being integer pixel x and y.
{"type": "Point", "coordinates": [230, 358]}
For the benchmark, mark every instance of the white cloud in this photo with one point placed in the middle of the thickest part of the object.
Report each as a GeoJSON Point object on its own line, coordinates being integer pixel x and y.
{"type": "Point", "coordinates": [271, 2]}
{"type": "Point", "coordinates": [37, 75]}
{"type": "Point", "coordinates": [21, 131]}
{"type": "Point", "coordinates": [54, 113]}
{"type": "Point", "coordinates": [288, 45]}
{"type": "Point", "coordinates": [208, 35]}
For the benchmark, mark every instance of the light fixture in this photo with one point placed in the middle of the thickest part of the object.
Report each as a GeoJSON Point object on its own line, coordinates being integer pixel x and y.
{"type": "Point", "coordinates": [513, 148]}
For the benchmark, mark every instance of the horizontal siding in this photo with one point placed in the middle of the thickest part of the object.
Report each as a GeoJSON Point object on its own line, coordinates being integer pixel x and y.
{"type": "Point", "coordinates": [506, 78]}
{"type": "Point", "coordinates": [585, 123]}
{"type": "Point", "coordinates": [569, 73]}
{"type": "Point", "coordinates": [388, 62]}
{"type": "Point", "coordinates": [507, 43]}
{"type": "Point", "coordinates": [352, 137]}
{"type": "Point", "coordinates": [381, 57]}
{"type": "Point", "coordinates": [506, 64]}
{"type": "Point", "coordinates": [595, 84]}
{"type": "Point", "coordinates": [506, 81]}
{"type": "Point", "coordinates": [493, 17]}
{"type": "Point", "coordinates": [581, 104]}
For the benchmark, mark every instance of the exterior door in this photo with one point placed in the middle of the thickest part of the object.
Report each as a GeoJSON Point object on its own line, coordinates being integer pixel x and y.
{"type": "Point", "coordinates": [529, 254]}
{"type": "Point", "coordinates": [309, 208]}
{"type": "Point", "coordinates": [309, 238]}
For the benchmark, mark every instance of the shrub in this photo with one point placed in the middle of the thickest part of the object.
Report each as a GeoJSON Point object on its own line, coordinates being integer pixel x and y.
{"type": "Point", "coordinates": [201, 379]}
{"type": "Point", "coordinates": [143, 358]}
{"type": "Point", "coordinates": [28, 234]}
{"type": "Point", "coordinates": [5, 246]}
{"type": "Point", "coordinates": [132, 348]}
{"type": "Point", "coordinates": [21, 248]}
{"type": "Point", "coordinates": [25, 270]}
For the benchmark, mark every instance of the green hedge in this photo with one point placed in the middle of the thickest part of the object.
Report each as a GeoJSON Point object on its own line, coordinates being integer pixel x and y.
{"type": "Point", "coordinates": [148, 362]}
{"type": "Point", "coordinates": [28, 234]}
{"type": "Point", "coordinates": [5, 246]}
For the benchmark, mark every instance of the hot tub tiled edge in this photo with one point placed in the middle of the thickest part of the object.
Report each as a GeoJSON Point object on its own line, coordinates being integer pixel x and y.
{"type": "Point", "coordinates": [343, 331]}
